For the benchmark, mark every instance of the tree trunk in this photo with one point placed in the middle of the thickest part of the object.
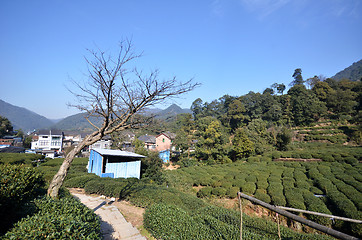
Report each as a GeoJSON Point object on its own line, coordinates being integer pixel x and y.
{"type": "Point", "coordinates": [58, 178]}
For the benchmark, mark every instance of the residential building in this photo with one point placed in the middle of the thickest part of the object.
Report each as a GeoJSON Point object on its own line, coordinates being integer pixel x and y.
{"type": "Point", "coordinates": [48, 140]}
{"type": "Point", "coordinates": [149, 140]}
{"type": "Point", "coordinates": [104, 143]}
{"type": "Point", "coordinates": [164, 141]}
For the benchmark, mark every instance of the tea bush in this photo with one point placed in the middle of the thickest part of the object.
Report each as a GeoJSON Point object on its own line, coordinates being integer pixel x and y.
{"type": "Point", "coordinates": [20, 158]}
{"type": "Point", "coordinates": [170, 222]}
{"type": "Point", "coordinates": [80, 181]}
{"type": "Point", "coordinates": [65, 218]}
{"type": "Point", "coordinates": [18, 184]}
{"type": "Point", "coordinates": [204, 192]}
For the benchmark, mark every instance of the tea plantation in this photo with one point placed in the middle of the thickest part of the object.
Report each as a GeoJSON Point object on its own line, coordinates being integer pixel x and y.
{"type": "Point", "coordinates": [25, 211]}
{"type": "Point", "coordinates": [173, 213]}
{"type": "Point", "coordinates": [326, 187]}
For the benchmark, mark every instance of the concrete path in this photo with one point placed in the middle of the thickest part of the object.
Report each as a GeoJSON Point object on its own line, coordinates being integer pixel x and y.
{"type": "Point", "coordinates": [113, 224]}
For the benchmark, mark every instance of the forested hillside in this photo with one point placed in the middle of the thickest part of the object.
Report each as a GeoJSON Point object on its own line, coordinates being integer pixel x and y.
{"type": "Point", "coordinates": [235, 127]}
{"type": "Point", "coordinates": [353, 72]}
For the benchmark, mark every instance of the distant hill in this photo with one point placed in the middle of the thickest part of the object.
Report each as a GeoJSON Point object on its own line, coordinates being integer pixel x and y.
{"type": "Point", "coordinates": [22, 118]}
{"type": "Point", "coordinates": [77, 122]}
{"type": "Point", "coordinates": [353, 72]}
{"type": "Point", "coordinates": [171, 111]}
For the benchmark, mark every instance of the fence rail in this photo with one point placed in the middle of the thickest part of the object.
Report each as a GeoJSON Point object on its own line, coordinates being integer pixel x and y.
{"type": "Point", "coordinates": [287, 214]}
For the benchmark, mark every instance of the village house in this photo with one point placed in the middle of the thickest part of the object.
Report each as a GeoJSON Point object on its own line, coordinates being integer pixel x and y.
{"type": "Point", "coordinates": [149, 141]}
{"type": "Point", "coordinates": [48, 140]}
{"type": "Point", "coordinates": [164, 141]}
{"type": "Point", "coordinates": [104, 143]}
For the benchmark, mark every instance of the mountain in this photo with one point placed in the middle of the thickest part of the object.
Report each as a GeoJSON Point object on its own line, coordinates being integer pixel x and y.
{"type": "Point", "coordinates": [22, 118]}
{"type": "Point", "coordinates": [353, 72]}
{"type": "Point", "coordinates": [171, 111]}
{"type": "Point", "coordinates": [77, 122]}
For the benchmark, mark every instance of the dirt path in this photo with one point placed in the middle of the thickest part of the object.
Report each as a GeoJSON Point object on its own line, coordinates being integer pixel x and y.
{"type": "Point", "coordinates": [113, 223]}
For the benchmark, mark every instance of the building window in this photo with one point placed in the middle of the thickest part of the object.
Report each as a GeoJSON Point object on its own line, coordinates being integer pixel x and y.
{"type": "Point", "coordinates": [163, 140]}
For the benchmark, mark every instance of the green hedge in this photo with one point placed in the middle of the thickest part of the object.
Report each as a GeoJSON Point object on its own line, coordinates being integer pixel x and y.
{"type": "Point", "coordinates": [171, 222]}
{"type": "Point", "coordinates": [20, 158]}
{"type": "Point", "coordinates": [65, 218]}
{"type": "Point", "coordinates": [80, 181]}
{"type": "Point", "coordinates": [18, 184]}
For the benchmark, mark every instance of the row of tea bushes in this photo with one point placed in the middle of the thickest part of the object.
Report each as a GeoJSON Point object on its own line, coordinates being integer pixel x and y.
{"type": "Point", "coordinates": [65, 218]}
{"type": "Point", "coordinates": [292, 184]}
{"type": "Point", "coordinates": [210, 222]}
{"type": "Point", "coordinates": [18, 185]}
{"type": "Point", "coordinates": [42, 218]}
{"type": "Point", "coordinates": [20, 158]}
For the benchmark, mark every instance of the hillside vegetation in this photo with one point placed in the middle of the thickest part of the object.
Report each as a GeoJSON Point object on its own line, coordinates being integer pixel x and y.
{"type": "Point", "coordinates": [353, 72]}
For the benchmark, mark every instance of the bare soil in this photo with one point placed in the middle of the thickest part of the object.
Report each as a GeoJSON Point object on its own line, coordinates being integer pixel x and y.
{"type": "Point", "coordinates": [131, 213]}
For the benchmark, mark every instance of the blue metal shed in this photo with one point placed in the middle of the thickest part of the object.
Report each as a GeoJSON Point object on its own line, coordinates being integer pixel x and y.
{"type": "Point", "coordinates": [114, 163]}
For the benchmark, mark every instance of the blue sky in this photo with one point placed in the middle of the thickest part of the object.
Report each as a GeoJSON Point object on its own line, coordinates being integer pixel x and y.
{"type": "Point", "coordinates": [230, 47]}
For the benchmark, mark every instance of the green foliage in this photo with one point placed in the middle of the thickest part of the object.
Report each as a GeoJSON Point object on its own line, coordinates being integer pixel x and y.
{"type": "Point", "coordinates": [219, 191]}
{"type": "Point", "coordinates": [20, 158]}
{"type": "Point", "coordinates": [204, 192]}
{"type": "Point", "coordinates": [182, 224]}
{"type": "Point", "coordinates": [171, 222]}
{"type": "Point", "coordinates": [65, 218]}
{"type": "Point", "coordinates": [80, 181]}
{"type": "Point", "coordinates": [305, 107]}
{"type": "Point", "coordinates": [210, 147]}
{"type": "Point", "coordinates": [151, 167]}
{"type": "Point", "coordinates": [283, 139]}
{"type": "Point", "coordinates": [242, 146]}
{"type": "Point", "coordinates": [18, 184]}
{"type": "Point", "coordinates": [5, 127]}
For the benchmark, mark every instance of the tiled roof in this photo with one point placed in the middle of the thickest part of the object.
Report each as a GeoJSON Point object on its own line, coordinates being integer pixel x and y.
{"type": "Point", "coordinates": [147, 139]}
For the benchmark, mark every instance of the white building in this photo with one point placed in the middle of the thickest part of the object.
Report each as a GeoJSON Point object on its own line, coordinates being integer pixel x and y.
{"type": "Point", "coordinates": [104, 143]}
{"type": "Point", "coordinates": [48, 140]}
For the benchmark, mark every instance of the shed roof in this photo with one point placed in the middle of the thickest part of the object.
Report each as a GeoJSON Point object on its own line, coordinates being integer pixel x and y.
{"type": "Point", "coordinates": [110, 152]}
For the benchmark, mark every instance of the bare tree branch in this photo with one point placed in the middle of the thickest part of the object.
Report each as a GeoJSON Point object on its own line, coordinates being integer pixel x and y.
{"type": "Point", "coordinates": [116, 94]}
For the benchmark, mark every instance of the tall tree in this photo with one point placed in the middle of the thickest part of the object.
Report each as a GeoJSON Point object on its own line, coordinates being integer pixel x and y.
{"type": "Point", "coordinates": [197, 108]}
{"type": "Point", "coordinates": [235, 114]}
{"type": "Point", "coordinates": [305, 106]}
{"type": "Point", "coordinates": [5, 126]}
{"type": "Point", "coordinates": [210, 147]}
{"type": "Point", "coordinates": [298, 78]}
{"type": "Point", "coordinates": [242, 146]}
{"type": "Point", "coordinates": [115, 94]}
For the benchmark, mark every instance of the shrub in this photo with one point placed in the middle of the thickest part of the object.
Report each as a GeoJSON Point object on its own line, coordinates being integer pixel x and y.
{"type": "Point", "coordinates": [248, 188]}
{"type": "Point", "coordinates": [351, 160]}
{"type": "Point", "coordinates": [253, 159]}
{"type": "Point", "coordinates": [18, 184]}
{"type": "Point", "coordinates": [294, 198]}
{"type": "Point", "coordinates": [204, 192]}
{"type": "Point", "coordinates": [20, 158]}
{"type": "Point", "coordinates": [80, 182]}
{"type": "Point", "coordinates": [219, 191]}
{"type": "Point", "coordinates": [305, 155]}
{"type": "Point", "coordinates": [177, 225]}
{"type": "Point", "coordinates": [226, 184]}
{"type": "Point", "coordinates": [262, 195]}
{"type": "Point", "coordinates": [276, 155]}
{"type": "Point", "coordinates": [65, 218]}
{"type": "Point", "coordinates": [232, 192]}
{"type": "Point", "coordinates": [327, 157]}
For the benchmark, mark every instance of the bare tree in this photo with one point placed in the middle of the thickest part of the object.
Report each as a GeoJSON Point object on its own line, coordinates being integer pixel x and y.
{"type": "Point", "coordinates": [116, 94]}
